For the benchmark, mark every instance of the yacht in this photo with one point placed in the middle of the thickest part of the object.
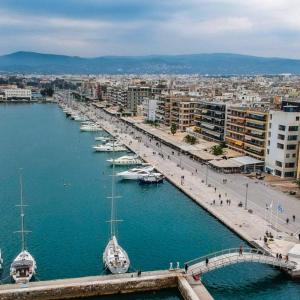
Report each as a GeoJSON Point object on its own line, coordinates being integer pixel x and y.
{"type": "Point", "coordinates": [23, 267]}
{"type": "Point", "coordinates": [137, 173]}
{"type": "Point", "coordinates": [126, 160]}
{"type": "Point", "coordinates": [152, 178]}
{"type": "Point", "coordinates": [91, 128]}
{"type": "Point", "coordinates": [110, 147]}
{"type": "Point", "coordinates": [115, 258]}
{"type": "Point", "coordinates": [102, 138]}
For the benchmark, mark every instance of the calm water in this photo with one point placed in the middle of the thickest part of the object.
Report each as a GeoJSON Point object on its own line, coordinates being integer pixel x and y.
{"type": "Point", "coordinates": [66, 186]}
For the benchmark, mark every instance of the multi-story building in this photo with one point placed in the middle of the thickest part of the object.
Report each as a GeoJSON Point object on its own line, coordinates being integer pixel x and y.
{"type": "Point", "coordinates": [149, 109]}
{"type": "Point", "coordinates": [210, 120]}
{"type": "Point", "coordinates": [17, 94]}
{"type": "Point", "coordinates": [282, 158]}
{"type": "Point", "coordinates": [256, 124]}
{"type": "Point", "coordinates": [176, 109]}
{"type": "Point", "coordinates": [136, 95]}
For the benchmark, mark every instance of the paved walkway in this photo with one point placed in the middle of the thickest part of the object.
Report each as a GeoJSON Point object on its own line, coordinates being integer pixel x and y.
{"type": "Point", "coordinates": [204, 185]}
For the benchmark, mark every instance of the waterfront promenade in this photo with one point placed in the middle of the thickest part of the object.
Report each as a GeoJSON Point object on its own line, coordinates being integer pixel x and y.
{"type": "Point", "coordinates": [250, 226]}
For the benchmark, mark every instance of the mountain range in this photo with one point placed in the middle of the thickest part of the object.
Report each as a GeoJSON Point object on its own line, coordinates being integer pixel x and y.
{"type": "Point", "coordinates": [205, 64]}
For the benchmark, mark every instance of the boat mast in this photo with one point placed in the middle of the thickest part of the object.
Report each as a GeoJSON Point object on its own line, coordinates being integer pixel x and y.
{"type": "Point", "coordinates": [22, 214]}
{"type": "Point", "coordinates": [112, 216]}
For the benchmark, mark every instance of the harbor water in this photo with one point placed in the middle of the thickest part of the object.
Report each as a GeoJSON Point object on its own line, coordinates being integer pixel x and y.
{"type": "Point", "coordinates": [66, 186]}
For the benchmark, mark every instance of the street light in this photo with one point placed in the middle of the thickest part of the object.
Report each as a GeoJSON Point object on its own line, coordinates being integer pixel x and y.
{"type": "Point", "coordinates": [206, 177]}
{"type": "Point", "coordinates": [246, 200]}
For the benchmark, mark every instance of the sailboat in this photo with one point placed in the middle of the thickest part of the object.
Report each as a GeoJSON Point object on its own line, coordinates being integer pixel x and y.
{"type": "Point", "coordinates": [23, 267]}
{"type": "Point", "coordinates": [115, 258]}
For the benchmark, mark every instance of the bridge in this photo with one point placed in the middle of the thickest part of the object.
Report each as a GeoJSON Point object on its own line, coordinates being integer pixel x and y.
{"type": "Point", "coordinates": [220, 259]}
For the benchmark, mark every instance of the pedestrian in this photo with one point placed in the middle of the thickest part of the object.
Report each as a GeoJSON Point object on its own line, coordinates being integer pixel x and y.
{"type": "Point", "coordinates": [214, 202]}
{"type": "Point", "coordinates": [229, 202]}
{"type": "Point", "coordinates": [280, 256]}
{"type": "Point", "coordinates": [215, 189]}
{"type": "Point", "coordinates": [241, 250]}
{"type": "Point", "coordinates": [294, 218]}
{"type": "Point", "coordinates": [221, 202]}
{"type": "Point", "coordinates": [299, 236]}
{"type": "Point", "coordinates": [206, 261]}
{"type": "Point", "coordinates": [219, 196]}
{"type": "Point", "coordinates": [286, 258]}
{"type": "Point", "coordinates": [287, 220]}
{"type": "Point", "coordinates": [277, 255]}
{"type": "Point", "coordinates": [186, 268]}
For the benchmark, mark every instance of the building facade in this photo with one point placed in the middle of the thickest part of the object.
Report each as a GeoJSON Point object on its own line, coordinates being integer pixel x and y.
{"type": "Point", "coordinates": [10, 94]}
{"type": "Point", "coordinates": [149, 109]}
{"type": "Point", "coordinates": [282, 156]}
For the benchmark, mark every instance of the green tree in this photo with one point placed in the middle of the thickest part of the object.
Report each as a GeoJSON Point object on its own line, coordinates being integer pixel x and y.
{"type": "Point", "coordinates": [173, 128]}
{"type": "Point", "coordinates": [217, 150]}
{"type": "Point", "coordinates": [190, 139]}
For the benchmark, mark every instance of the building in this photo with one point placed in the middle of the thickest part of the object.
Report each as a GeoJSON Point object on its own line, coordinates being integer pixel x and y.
{"type": "Point", "coordinates": [282, 158]}
{"type": "Point", "coordinates": [17, 94]}
{"type": "Point", "coordinates": [177, 109]}
{"type": "Point", "coordinates": [211, 120]}
{"type": "Point", "coordinates": [150, 107]}
{"type": "Point", "coordinates": [246, 131]}
{"type": "Point", "coordinates": [135, 96]}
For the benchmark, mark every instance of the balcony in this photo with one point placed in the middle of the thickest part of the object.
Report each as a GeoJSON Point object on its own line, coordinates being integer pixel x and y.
{"type": "Point", "coordinates": [256, 126]}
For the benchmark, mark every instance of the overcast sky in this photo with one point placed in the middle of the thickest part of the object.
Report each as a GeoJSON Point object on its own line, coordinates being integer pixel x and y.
{"type": "Point", "coordinates": [139, 27]}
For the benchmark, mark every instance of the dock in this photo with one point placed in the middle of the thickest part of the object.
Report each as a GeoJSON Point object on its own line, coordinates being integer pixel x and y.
{"type": "Point", "coordinates": [107, 285]}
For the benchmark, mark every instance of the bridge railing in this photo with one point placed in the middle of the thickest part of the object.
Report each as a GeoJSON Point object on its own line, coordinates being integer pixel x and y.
{"type": "Point", "coordinates": [226, 251]}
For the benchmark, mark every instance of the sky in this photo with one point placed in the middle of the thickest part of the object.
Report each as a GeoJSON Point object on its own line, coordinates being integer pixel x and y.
{"type": "Point", "coordinates": [141, 27]}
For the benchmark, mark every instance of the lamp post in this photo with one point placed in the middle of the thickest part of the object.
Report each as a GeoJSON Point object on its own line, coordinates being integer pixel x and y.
{"type": "Point", "coordinates": [246, 200]}
{"type": "Point", "coordinates": [206, 177]}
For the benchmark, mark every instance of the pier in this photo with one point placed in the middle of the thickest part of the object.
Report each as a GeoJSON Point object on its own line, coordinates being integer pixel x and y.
{"type": "Point", "coordinates": [107, 285]}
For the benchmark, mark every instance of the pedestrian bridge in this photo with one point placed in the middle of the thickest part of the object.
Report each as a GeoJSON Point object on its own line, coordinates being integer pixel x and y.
{"type": "Point", "coordinates": [232, 256]}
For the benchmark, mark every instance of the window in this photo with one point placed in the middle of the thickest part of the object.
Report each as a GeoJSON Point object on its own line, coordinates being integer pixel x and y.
{"type": "Point", "coordinates": [278, 163]}
{"type": "Point", "coordinates": [268, 142]}
{"type": "Point", "coordinates": [280, 137]}
{"type": "Point", "coordinates": [270, 125]}
{"type": "Point", "coordinates": [277, 173]}
{"type": "Point", "coordinates": [268, 151]}
{"type": "Point", "coordinates": [297, 118]}
{"type": "Point", "coordinates": [269, 133]}
{"type": "Point", "coordinates": [290, 165]}
{"type": "Point", "coordinates": [289, 174]}
{"type": "Point", "coordinates": [294, 154]}
{"type": "Point", "coordinates": [293, 128]}
{"type": "Point", "coordinates": [270, 116]}
{"type": "Point", "coordinates": [287, 156]}
{"type": "Point", "coordinates": [281, 127]}
{"type": "Point", "coordinates": [290, 147]}
{"type": "Point", "coordinates": [280, 146]}
{"type": "Point", "coordinates": [292, 138]}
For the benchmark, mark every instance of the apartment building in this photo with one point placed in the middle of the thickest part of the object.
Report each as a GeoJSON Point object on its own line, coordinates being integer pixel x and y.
{"type": "Point", "coordinates": [282, 157]}
{"type": "Point", "coordinates": [210, 120]}
{"type": "Point", "coordinates": [149, 109]}
{"type": "Point", "coordinates": [176, 109]}
{"type": "Point", "coordinates": [136, 95]}
{"type": "Point", "coordinates": [246, 131]}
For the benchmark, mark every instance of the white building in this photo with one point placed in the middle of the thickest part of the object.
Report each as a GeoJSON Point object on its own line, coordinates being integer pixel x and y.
{"type": "Point", "coordinates": [17, 94]}
{"type": "Point", "coordinates": [150, 106]}
{"type": "Point", "coordinates": [283, 143]}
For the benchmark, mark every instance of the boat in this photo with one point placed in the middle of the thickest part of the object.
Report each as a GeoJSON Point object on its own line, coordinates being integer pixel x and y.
{"type": "Point", "coordinates": [137, 173]}
{"type": "Point", "coordinates": [23, 267]}
{"type": "Point", "coordinates": [115, 258]}
{"type": "Point", "coordinates": [109, 147]}
{"type": "Point", "coordinates": [102, 138]}
{"type": "Point", "coordinates": [152, 178]}
{"type": "Point", "coordinates": [91, 128]}
{"type": "Point", "coordinates": [126, 160]}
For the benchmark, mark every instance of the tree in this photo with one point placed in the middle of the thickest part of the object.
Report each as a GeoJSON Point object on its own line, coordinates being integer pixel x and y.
{"type": "Point", "coordinates": [190, 139]}
{"type": "Point", "coordinates": [217, 150]}
{"type": "Point", "coordinates": [298, 182]}
{"type": "Point", "coordinates": [173, 128]}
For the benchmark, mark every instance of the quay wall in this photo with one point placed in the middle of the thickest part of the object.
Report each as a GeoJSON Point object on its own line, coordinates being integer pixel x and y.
{"type": "Point", "coordinates": [85, 287]}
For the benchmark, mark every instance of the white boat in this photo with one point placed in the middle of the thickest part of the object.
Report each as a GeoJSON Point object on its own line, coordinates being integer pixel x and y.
{"type": "Point", "coordinates": [102, 138]}
{"type": "Point", "coordinates": [152, 178]}
{"type": "Point", "coordinates": [136, 173]}
{"type": "Point", "coordinates": [23, 267]}
{"type": "Point", "coordinates": [126, 160]}
{"type": "Point", "coordinates": [115, 258]}
{"type": "Point", "coordinates": [110, 147]}
{"type": "Point", "coordinates": [91, 128]}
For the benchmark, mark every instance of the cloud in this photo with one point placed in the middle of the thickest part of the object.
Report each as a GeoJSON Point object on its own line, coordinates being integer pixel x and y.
{"type": "Point", "coordinates": [124, 27]}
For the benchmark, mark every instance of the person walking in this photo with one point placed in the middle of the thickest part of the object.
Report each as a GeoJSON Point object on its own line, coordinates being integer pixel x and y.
{"type": "Point", "coordinates": [206, 261]}
{"type": "Point", "coordinates": [241, 250]}
{"type": "Point", "coordinates": [294, 218]}
{"type": "Point", "coordinates": [287, 220]}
